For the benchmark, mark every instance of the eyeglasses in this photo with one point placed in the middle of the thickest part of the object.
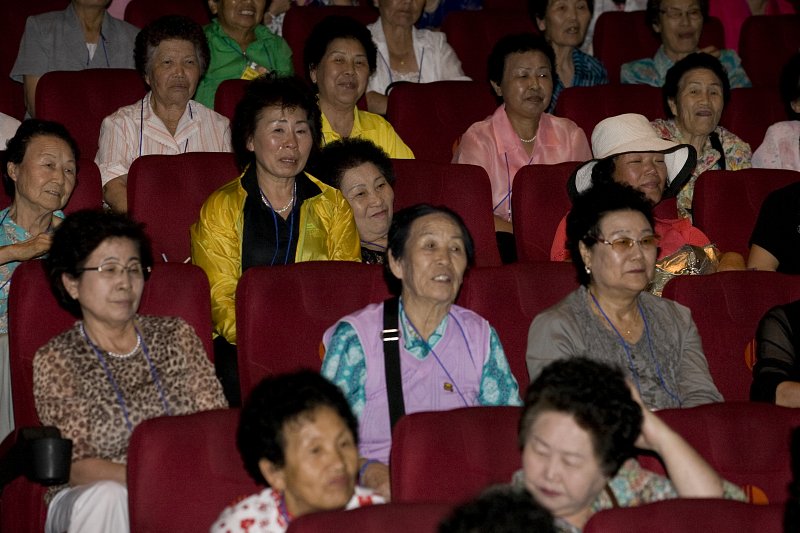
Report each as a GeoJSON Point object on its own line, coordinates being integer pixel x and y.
{"type": "Point", "coordinates": [623, 244]}
{"type": "Point", "coordinates": [112, 270]}
{"type": "Point", "coordinates": [674, 13]}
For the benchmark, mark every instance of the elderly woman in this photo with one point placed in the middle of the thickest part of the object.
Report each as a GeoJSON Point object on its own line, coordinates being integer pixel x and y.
{"type": "Point", "coordinates": [563, 24]}
{"type": "Point", "coordinates": [406, 53]}
{"type": "Point", "coordinates": [429, 250]}
{"type": "Point", "coordinates": [241, 47]}
{"type": "Point", "coordinates": [364, 174]}
{"type": "Point", "coordinates": [776, 374]}
{"type": "Point", "coordinates": [695, 93]}
{"type": "Point", "coordinates": [113, 369]}
{"type": "Point", "coordinates": [297, 436]}
{"type": "Point", "coordinates": [82, 36]}
{"type": "Point", "coordinates": [171, 55]}
{"type": "Point", "coordinates": [679, 23]}
{"type": "Point", "coordinates": [339, 57]}
{"type": "Point", "coordinates": [39, 168]}
{"type": "Point", "coordinates": [274, 213]}
{"type": "Point", "coordinates": [579, 431]}
{"type": "Point", "coordinates": [611, 317]}
{"type": "Point", "coordinates": [628, 151]}
{"type": "Point", "coordinates": [520, 132]}
{"type": "Point", "coordinates": [780, 148]}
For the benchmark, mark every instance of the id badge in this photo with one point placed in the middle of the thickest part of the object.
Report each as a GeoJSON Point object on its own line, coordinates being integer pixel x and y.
{"type": "Point", "coordinates": [252, 71]}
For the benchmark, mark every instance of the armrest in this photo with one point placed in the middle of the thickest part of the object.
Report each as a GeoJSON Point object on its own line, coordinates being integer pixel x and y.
{"type": "Point", "coordinates": [39, 453]}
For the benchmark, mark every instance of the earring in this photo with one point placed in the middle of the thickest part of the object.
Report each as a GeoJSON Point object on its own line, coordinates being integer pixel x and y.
{"type": "Point", "coordinates": [588, 270]}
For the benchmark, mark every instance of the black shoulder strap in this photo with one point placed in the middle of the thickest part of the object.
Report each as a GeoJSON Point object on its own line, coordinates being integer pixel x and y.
{"type": "Point", "coordinates": [716, 144]}
{"type": "Point", "coordinates": [391, 359]}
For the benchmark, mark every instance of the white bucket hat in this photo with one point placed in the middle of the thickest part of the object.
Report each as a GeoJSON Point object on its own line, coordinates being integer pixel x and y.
{"type": "Point", "coordinates": [628, 133]}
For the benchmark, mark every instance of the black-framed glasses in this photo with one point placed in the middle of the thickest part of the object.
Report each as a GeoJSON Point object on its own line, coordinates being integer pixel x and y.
{"type": "Point", "coordinates": [114, 269]}
{"type": "Point", "coordinates": [623, 244]}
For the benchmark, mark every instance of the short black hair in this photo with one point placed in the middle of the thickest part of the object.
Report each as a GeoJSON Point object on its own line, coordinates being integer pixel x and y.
{"type": "Point", "coordinates": [596, 395]}
{"type": "Point", "coordinates": [18, 145]}
{"type": "Point", "coordinates": [267, 91]}
{"type": "Point", "coordinates": [588, 211]}
{"type": "Point", "coordinates": [277, 401]}
{"type": "Point", "coordinates": [78, 236]}
{"type": "Point", "coordinates": [169, 27]}
{"type": "Point", "coordinates": [696, 60]}
{"type": "Point", "coordinates": [336, 158]}
{"type": "Point", "coordinates": [518, 43]}
{"type": "Point", "coordinates": [790, 85]}
{"type": "Point", "coordinates": [653, 11]}
{"type": "Point", "coordinates": [337, 27]}
{"type": "Point", "coordinates": [500, 510]}
{"type": "Point", "coordinates": [538, 8]}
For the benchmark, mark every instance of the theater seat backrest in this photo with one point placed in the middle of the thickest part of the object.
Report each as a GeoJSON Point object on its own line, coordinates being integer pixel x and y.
{"type": "Point", "coordinates": [586, 106]}
{"type": "Point", "coordinates": [766, 43]}
{"type": "Point", "coordinates": [451, 456]}
{"type": "Point", "coordinates": [229, 94]}
{"type": "Point", "coordinates": [387, 518]}
{"type": "Point", "coordinates": [140, 13]}
{"type": "Point", "coordinates": [739, 118]}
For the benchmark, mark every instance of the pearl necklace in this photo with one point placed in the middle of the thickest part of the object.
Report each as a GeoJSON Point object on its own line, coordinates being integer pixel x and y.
{"type": "Point", "coordinates": [116, 355]}
{"type": "Point", "coordinates": [528, 141]}
{"type": "Point", "coordinates": [284, 208]}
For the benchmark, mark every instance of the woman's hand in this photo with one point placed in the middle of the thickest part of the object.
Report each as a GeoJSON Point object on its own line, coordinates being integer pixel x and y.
{"type": "Point", "coordinates": [653, 428]}
{"type": "Point", "coordinates": [376, 477]}
{"type": "Point", "coordinates": [30, 249]}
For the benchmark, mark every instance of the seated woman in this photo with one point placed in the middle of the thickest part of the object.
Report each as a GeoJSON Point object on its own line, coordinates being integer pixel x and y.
{"type": "Point", "coordinates": [297, 436]}
{"type": "Point", "coordinates": [776, 374]}
{"type": "Point", "coordinates": [775, 242]}
{"type": "Point", "coordinates": [520, 132]}
{"type": "Point", "coordinates": [628, 151]}
{"type": "Point", "coordinates": [406, 53]}
{"type": "Point", "coordinates": [443, 356]}
{"type": "Point", "coordinates": [695, 93]}
{"type": "Point", "coordinates": [364, 174]}
{"type": "Point", "coordinates": [611, 317]}
{"type": "Point", "coordinates": [241, 47]}
{"type": "Point", "coordinates": [39, 171]}
{"type": "Point", "coordinates": [340, 57]}
{"type": "Point", "coordinates": [274, 213]}
{"type": "Point", "coordinates": [578, 434]}
{"type": "Point", "coordinates": [113, 369]}
{"type": "Point", "coordinates": [171, 55]}
{"type": "Point", "coordinates": [679, 24]}
{"type": "Point", "coordinates": [780, 148]}
{"type": "Point", "coordinates": [563, 24]}
{"type": "Point", "coordinates": [82, 36]}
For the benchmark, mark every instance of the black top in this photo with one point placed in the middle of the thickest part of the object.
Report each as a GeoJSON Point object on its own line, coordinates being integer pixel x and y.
{"type": "Point", "coordinates": [778, 228]}
{"type": "Point", "coordinates": [777, 343]}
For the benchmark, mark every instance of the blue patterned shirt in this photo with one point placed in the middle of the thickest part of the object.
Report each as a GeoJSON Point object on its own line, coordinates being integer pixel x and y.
{"type": "Point", "coordinates": [589, 71]}
{"type": "Point", "coordinates": [654, 71]}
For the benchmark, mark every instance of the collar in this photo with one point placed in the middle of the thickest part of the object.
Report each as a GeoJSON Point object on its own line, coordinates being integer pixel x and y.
{"type": "Point", "coordinates": [507, 140]}
{"type": "Point", "coordinates": [188, 124]}
{"type": "Point", "coordinates": [306, 188]}
{"type": "Point", "coordinates": [328, 131]}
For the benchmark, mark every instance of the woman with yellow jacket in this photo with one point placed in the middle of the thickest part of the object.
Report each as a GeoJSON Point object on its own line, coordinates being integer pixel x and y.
{"type": "Point", "coordinates": [274, 213]}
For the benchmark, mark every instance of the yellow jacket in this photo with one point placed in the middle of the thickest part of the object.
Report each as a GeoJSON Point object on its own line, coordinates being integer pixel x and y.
{"type": "Point", "coordinates": [327, 232]}
{"type": "Point", "coordinates": [373, 128]}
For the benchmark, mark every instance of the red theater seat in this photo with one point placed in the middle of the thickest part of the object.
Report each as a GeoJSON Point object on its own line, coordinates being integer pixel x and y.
{"type": "Point", "coordinates": [229, 93]}
{"type": "Point", "coordinates": [740, 117]}
{"type": "Point", "coordinates": [765, 44]}
{"type": "Point", "coordinates": [463, 188]}
{"type": "Point", "coordinates": [539, 202]}
{"type": "Point", "coordinates": [451, 456]}
{"type": "Point", "coordinates": [166, 192]}
{"type": "Point", "coordinates": [727, 307]}
{"type": "Point", "coordinates": [623, 36]}
{"type": "Point", "coordinates": [184, 470]}
{"type": "Point", "coordinates": [388, 518]}
{"type": "Point", "coordinates": [726, 203]}
{"type": "Point", "coordinates": [689, 516]}
{"type": "Point", "coordinates": [273, 337]}
{"type": "Point", "coordinates": [587, 106]}
{"type": "Point", "coordinates": [140, 13]}
{"type": "Point", "coordinates": [80, 100]}
{"type": "Point", "coordinates": [447, 108]}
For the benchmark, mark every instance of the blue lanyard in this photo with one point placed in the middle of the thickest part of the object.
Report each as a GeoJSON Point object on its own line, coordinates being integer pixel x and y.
{"type": "Point", "coordinates": [275, 223]}
{"type": "Point", "coordinates": [141, 127]}
{"type": "Point", "coordinates": [105, 52]}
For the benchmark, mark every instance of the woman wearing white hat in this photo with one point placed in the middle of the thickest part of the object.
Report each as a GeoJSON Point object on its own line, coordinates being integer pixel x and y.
{"type": "Point", "coordinates": [627, 150]}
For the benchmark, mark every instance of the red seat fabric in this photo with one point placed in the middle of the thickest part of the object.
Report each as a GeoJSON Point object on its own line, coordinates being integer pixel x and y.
{"type": "Point", "coordinates": [639, 40]}
{"type": "Point", "coordinates": [539, 203]}
{"type": "Point", "coordinates": [140, 13]}
{"type": "Point", "coordinates": [463, 188]}
{"type": "Point", "coordinates": [282, 312]}
{"type": "Point", "coordinates": [451, 456]}
{"type": "Point", "coordinates": [473, 34]}
{"type": "Point", "coordinates": [171, 290]}
{"type": "Point", "coordinates": [727, 307]}
{"type": "Point", "coordinates": [388, 518]}
{"type": "Point", "coordinates": [87, 194]}
{"type": "Point", "coordinates": [587, 106]}
{"type": "Point", "coordinates": [166, 192]}
{"type": "Point", "coordinates": [739, 116]}
{"type": "Point", "coordinates": [747, 443]}
{"type": "Point", "coordinates": [229, 94]}
{"type": "Point", "coordinates": [726, 203]}
{"type": "Point", "coordinates": [300, 20]}
{"type": "Point", "coordinates": [765, 44]}
{"type": "Point", "coordinates": [511, 296]}
{"type": "Point", "coordinates": [448, 108]}
{"type": "Point", "coordinates": [184, 470]}
{"type": "Point", "coordinates": [80, 100]}
{"type": "Point", "coordinates": [689, 516]}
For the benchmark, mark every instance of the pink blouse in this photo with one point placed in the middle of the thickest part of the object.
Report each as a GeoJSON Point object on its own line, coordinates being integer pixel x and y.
{"type": "Point", "coordinates": [781, 147]}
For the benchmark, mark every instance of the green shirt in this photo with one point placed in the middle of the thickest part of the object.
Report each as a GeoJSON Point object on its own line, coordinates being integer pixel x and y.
{"type": "Point", "coordinates": [228, 62]}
